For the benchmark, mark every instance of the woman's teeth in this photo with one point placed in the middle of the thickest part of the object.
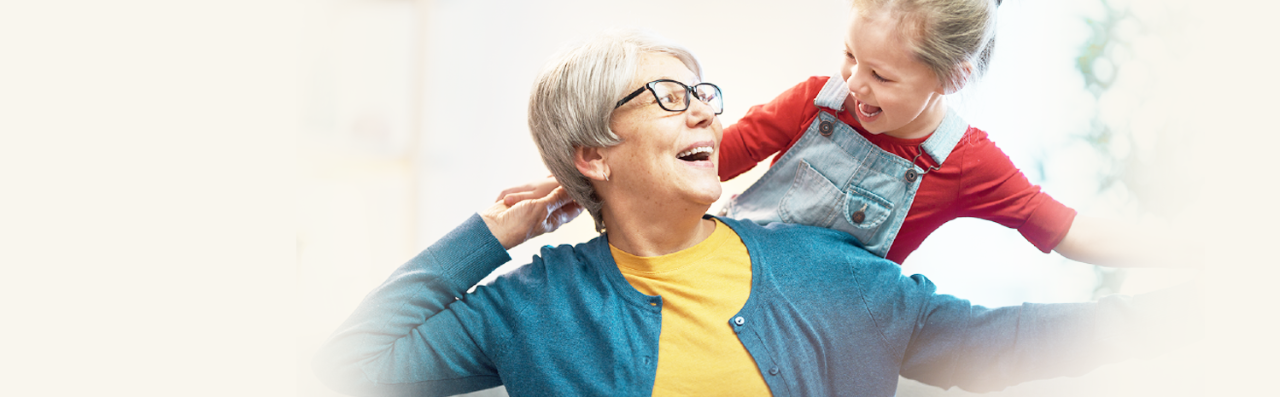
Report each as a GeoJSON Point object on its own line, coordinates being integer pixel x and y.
{"type": "Point", "coordinates": [695, 154]}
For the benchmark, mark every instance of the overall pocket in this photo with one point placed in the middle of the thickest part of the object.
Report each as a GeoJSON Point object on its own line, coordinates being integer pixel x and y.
{"type": "Point", "coordinates": [812, 199]}
{"type": "Point", "coordinates": [817, 201]}
{"type": "Point", "coordinates": [865, 210]}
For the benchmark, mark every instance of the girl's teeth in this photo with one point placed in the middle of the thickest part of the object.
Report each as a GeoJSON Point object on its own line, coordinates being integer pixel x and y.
{"type": "Point", "coordinates": [868, 110]}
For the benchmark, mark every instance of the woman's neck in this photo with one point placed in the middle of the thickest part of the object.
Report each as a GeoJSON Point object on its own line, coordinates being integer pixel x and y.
{"type": "Point", "coordinates": [658, 231]}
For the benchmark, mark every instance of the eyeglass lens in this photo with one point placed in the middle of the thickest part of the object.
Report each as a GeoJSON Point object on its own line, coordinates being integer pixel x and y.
{"type": "Point", "coordinates": [672, 96]}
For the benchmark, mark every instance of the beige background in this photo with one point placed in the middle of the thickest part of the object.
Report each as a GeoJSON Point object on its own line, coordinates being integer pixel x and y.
{"type": "Point", "coordinates": [162, 165]}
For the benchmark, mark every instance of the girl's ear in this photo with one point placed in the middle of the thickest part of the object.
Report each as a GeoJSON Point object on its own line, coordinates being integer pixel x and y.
{"type": "Point", "coordinates": [961, 76]}
{"type": "Point", "coordinates": [590, 162]}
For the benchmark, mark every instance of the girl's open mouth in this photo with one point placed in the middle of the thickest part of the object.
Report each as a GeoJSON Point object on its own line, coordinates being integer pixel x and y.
{"type": "Point", "coordinates": [868, 110]}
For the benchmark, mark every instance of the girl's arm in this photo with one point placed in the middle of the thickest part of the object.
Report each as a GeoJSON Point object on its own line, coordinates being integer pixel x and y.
{"type": "Point", "coordinates": [767, 129]}
{"type": "Point", "coordinates": [992, 188]}
{"type": "Point", "coordinates": [1113, 243]}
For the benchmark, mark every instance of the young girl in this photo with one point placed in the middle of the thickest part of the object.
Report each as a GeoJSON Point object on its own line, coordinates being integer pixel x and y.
{"type": "Point", "coordinates": [875, 152]}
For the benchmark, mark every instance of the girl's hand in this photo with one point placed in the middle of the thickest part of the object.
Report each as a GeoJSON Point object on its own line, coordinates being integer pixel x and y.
{"type": "Point", "coordinates": [537, 211]}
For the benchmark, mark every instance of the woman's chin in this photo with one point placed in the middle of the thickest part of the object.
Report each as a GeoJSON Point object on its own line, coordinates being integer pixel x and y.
{"type": "Point", "coordinates": [709, 195]}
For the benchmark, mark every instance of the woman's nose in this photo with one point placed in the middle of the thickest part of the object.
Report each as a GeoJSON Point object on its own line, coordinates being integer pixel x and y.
{"type": "Point", "coordinates": [700, 114]}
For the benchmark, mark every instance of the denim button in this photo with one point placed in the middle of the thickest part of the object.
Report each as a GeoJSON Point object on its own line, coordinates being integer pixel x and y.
{"type": "Point", "coordinates": [859, 216]}
{"type": "Point", "coordinates": [773, 371]}
{"type": "Point", "coordinates": [739, 320]}
{"type": "Point", "coordinates": [825, 128]}
{"type": "Point", "coordinates": [912, 175]}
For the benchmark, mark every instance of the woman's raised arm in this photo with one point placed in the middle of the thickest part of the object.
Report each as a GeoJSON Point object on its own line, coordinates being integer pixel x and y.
{"type": "Point", "coordinates": [404, 339]}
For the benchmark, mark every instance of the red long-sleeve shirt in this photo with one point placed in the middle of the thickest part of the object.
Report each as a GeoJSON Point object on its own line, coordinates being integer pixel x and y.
{"type": "Point", "coordinates": [977, 179]}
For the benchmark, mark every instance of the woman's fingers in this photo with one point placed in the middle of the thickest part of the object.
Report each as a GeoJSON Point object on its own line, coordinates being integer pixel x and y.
{"type": "Point", "coordinates": [516, 190]}
{"type": "Point", "coordinates": [549, 212]}
{"type": "Point", "coordinates": [530, 210]}
{"type": "Point", "coordinates": [529, 191]}
{"type": "Point", "coordinates": [562, 215]}
{"type": "Point", "coordinates": [513, 198]}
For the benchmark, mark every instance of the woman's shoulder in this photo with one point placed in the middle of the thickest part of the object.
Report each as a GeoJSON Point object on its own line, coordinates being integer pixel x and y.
{"type": "Point", "coordinates": [801, 241]}
{"type": "Point", "coordinates": [820, 255]}
{"type": "Point", "coordinates": [552, 264]}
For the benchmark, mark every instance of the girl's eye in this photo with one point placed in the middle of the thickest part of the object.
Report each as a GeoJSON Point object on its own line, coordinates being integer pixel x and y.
{"type": "Point", "coordinates": [878, 78]}
{"type": "Point", "coordinates": [849, 55]}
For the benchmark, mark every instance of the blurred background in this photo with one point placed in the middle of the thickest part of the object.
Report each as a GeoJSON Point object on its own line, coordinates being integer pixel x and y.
{"type": "Point", "coordinates": [203, 191]}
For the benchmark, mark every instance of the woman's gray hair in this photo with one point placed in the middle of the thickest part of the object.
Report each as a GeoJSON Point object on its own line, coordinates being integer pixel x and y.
{"type": "Point", "coordinates": [944, 34]}
{"type": "Point", "coordinates": [574, 97]}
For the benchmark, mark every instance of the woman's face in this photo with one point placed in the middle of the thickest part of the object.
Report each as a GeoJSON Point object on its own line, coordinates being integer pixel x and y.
{"type": "Point", "coordinates": [890, 91]}
{"type": "Point", "coordinates": [665, 157]}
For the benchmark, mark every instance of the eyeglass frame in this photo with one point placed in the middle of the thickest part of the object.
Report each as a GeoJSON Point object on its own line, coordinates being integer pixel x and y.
{"type": "Point", "coordinates": [689, 90]}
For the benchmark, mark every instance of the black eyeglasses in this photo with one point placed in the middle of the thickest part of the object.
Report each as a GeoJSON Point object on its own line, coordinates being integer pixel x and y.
{"type": "Point", "coordinates": [673, 96]}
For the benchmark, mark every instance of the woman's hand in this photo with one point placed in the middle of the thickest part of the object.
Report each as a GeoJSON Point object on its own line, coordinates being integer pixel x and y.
{"type": "Point", "coordinates": [513, 195]}
{"type": "Point", "coordinates": [528, 211]}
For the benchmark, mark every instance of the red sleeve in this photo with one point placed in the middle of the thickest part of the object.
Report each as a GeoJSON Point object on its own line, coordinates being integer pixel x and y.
{"type": "Point", "coordinates": [769, 128]}
{"type": "Point", "coordinates": [994, 189]}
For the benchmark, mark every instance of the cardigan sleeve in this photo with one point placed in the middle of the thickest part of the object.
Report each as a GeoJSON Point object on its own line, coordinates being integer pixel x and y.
{"type": "Point", "coordinates": [403, 339]}
{"type": "Point", "coordinates": [978, 349]}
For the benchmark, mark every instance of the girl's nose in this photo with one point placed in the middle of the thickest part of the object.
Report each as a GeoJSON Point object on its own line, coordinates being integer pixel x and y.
{"type": "Point", "coordinates": [854, 84]}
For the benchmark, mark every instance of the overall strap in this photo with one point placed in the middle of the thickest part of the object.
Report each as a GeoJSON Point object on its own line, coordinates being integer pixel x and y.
{"type": "Point", "coordinates": [945, 138]}
{"type": "Point", "coordinates": [832, 94]}
{"type": "Point", "coordinates": [939, 144]}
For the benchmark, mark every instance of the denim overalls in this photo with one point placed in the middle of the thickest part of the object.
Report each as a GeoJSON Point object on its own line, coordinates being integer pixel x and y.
{"type": "Point", "coordinates": [835, 178]}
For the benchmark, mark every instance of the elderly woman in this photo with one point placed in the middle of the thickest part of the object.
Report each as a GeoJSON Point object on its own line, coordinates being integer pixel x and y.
{"type": "Point", "coordinates": [672, 301]}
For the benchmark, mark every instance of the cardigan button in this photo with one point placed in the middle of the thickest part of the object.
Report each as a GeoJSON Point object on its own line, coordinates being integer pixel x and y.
{"type": "Point", "coordinates": [825, 128]}
{"type": "Point", "coordinates": [739, 320]}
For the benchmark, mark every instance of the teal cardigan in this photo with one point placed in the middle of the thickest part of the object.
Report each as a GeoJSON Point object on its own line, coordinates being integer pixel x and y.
{"type": "Point", "coordinates": [824, 317]}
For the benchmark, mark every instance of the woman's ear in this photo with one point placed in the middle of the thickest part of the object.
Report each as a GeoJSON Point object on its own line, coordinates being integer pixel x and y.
{"type": "Point", "coordinates": [590, 162]}
{"type": "Point", "coordinates": [959, 78]}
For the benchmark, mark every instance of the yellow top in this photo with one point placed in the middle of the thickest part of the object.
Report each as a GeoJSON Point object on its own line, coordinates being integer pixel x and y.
{"type": "Point", "coordinates": [702, 288]}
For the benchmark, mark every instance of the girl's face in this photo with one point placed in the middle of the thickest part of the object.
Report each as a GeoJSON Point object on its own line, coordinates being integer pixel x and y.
{"type": "Point", "coordinates": [890, 90]}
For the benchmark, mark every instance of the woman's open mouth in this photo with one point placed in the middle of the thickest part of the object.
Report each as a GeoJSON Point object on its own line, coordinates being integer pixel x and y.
{"type": "Point", "coordinates": [700, 153]}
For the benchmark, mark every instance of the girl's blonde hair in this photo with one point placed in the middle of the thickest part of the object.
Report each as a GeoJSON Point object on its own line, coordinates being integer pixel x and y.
{"type": "Point", "coordinates": [953, 37]}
